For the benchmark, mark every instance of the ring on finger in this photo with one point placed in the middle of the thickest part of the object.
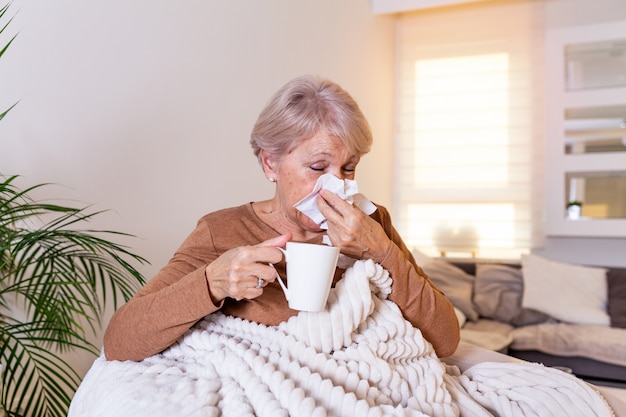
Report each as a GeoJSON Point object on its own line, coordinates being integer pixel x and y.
{"type": "Point", "coordinates": [260, 282]}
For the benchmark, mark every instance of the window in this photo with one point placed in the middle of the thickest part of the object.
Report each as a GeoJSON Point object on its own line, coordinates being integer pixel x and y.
{"type": "Point", "coordinates": [469, 129]}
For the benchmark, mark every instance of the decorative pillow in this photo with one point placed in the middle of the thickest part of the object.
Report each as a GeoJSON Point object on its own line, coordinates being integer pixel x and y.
{"type": "Point", "coordinates": [602, 343]}
{"type": "Point", "coordinates": [455, 283]}
{"type": "Point", "coordinates": [617, 297]}
{"type": "Point", "coordinates": [421, 258]}
{"type": "Point", "coordinates": [498, 295]}
{"type": "Point", "coordinates": [570, 293]}
{"type": "Point", "coordinates": [460, 316]}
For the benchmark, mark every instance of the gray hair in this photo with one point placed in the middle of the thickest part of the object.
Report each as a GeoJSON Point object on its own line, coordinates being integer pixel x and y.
{"type": "Point", "coordinates": [304, 106]}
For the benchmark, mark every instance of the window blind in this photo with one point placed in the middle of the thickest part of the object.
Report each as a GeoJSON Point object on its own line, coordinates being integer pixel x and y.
{"type": "Point", "coordinates": [469, 128]}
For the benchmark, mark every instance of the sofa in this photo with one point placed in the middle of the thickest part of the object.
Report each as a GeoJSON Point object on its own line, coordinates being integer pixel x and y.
{"type": "Point", "coordinates": [559, 314]}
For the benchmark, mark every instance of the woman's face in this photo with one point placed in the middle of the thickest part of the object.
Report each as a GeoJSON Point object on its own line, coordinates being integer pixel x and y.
{"type": "Point", "coordinates": [297, 172]}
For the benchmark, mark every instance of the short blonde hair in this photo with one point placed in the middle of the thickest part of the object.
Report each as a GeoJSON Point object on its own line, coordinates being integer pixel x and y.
{"type": "Point", "coordinates": [304, 106]}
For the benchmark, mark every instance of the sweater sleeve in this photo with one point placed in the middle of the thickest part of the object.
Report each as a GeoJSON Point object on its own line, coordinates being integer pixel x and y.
{"type": "Point", "coordinates": [178, 296]}
{"type": "Point", "coordinates": [167, 306]}
{"type": "Point", "coordinates": [420, 301]}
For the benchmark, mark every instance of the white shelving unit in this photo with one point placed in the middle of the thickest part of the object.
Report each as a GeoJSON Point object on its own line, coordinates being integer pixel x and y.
{"type": "Point", "coordinates": [569, 101]}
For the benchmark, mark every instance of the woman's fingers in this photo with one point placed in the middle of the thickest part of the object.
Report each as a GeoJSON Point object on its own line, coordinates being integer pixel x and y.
{"type": "Point", "coordinates": [354, 232]}
{"type": "Point", "coordinates": [333, 206]}
{"type": "Point", "coordinates": [243, 272]}
{"type": "Point", "coordinates": [279, 241]}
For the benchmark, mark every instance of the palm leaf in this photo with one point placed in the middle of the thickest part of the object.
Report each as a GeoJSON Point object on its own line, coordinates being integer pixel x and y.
{"type": "Point", "coordinates": [36, 381]}
{"type": "Point", "coordinates": [62, 276]}
{"type": "Point", "coordinates": [3, 11]}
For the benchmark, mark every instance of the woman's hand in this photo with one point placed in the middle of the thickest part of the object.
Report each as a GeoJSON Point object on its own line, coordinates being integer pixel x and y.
{"type": "Point", "coordinates": [236, 273]}
{"type": "Point", "coordinates": [355, 233]}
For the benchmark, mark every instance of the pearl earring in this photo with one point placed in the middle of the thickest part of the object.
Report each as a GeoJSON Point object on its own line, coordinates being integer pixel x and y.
{"type": "Point", "coordinates": [272, 179]}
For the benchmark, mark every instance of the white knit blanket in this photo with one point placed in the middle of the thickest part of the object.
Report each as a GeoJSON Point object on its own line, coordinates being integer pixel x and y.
{"type": "Point", "coordinates": [360, 358]}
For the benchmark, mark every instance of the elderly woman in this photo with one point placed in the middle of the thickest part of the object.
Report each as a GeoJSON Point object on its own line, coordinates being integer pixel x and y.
{"type": "Point", "coordinates": [310, 127]}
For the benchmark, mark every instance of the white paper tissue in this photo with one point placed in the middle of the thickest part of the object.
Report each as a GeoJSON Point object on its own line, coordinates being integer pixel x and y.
{"type": "Point", "coordinates": [346, 189]}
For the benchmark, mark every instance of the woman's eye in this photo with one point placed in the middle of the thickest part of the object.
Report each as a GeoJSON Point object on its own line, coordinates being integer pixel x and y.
{"type": "Point", "coordinates": [318, 167]}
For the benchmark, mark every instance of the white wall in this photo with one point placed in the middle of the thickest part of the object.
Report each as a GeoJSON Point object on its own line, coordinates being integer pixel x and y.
{"type": "Point", "coordinates": [144, 107]}
{"type": "Point", "coordinates": [568, 13]}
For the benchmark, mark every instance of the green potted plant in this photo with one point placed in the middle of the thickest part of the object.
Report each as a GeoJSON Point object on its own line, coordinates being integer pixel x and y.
{"type": "Point", "coordinates": [56, 278]}
{"type": "Point", "coordinates": [574, 209]}
{"type": "Point", "coordinates": [55, 281]}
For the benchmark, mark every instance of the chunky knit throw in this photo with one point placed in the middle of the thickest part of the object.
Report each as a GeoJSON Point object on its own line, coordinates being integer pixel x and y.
{"type": "Point", "coordinates": [357, 358]}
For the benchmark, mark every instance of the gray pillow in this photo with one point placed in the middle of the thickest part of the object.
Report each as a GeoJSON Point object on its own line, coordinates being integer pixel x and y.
{"type": "Point", "coordinates": [498, 294]}
{"type": "Point", "coordinates": [455, 283]}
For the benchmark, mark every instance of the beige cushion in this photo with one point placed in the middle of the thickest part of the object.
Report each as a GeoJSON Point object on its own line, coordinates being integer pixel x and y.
{"type": "Point", "coordinates": [567, 292]}
{"type": "Point", "coordinates": [488, 334]}
{"type": "Point", "coordinates": [602, 343]}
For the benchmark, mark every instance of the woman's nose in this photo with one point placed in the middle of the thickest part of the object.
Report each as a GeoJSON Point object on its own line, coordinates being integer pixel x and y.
{"type": "Point", "coordinates": [338, 173]}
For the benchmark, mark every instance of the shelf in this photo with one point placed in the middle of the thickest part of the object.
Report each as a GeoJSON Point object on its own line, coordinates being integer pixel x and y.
{"type": "Point", "coordinates": [586, 129]}
{"type": "Point", "coordinates": [595, 98]}
{"type": "Point", "coordinates": [594, 162]}
{"type": "Point", "coordinates": [595, 65]}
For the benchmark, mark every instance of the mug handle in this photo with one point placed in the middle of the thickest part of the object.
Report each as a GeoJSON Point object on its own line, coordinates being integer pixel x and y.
{"type": "Point", "coordinates": [280, 281]}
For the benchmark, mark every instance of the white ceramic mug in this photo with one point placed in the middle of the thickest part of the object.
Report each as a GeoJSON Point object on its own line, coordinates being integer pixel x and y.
{"type": "Point", "coordinates": [310, 272]}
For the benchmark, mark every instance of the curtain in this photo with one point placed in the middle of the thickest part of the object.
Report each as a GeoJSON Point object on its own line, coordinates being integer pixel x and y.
{"type": "Point", "coordinates": [469, 128]}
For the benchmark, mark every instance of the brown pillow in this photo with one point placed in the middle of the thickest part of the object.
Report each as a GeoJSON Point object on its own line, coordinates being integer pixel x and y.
{"type": "Point", "coordinates": [617, 296]}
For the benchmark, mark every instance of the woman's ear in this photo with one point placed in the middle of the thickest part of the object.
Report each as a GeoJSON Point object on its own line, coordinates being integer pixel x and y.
{"type": "Point", "coordinates": [269, 165]}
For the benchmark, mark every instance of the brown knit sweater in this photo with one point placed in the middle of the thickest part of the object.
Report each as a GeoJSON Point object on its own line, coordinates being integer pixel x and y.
{"type": "Point", "coordinates": [178, 296]}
